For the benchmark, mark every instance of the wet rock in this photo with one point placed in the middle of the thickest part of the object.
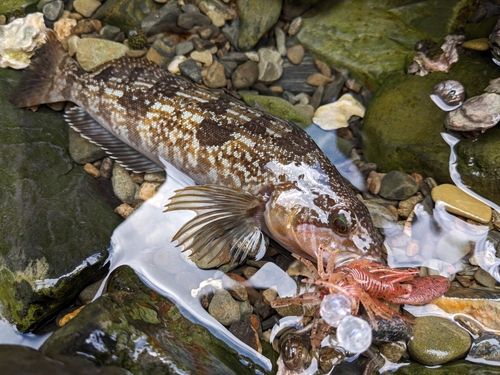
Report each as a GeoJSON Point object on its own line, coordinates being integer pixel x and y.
{"type": "Point", "coordinates": [87, 295]}
{"type": "Point", "coordinates": [336, 115]}
{"type": "Point", "coordinates": [484, 278]}
{"type": "Point", "coordinates": [416, 145]}
{"type": "Point", "coordinates": [93, 52]}
{"type": "Point", "coordinates": [214, 76]}
{"type": "Point", "coordinates": [23, 360]}
{"type": "Point", "coordinates": [51, 212]}
{"type": "Point", "coordinates": [163, 18]}
{"type": "Point", "coordinates": [381, 216]}
{"type": "Point", "coordinates": [126, 14]}
{"type": "Point", "coordinates": [437, 340]}
{"type": "Point", "coordinates": [392, 330]}
{"type": "Point", "coordinates": [83, 27]}
{"type": "Point", "coordinates": [91, 170]}
{"type": "Point", "coordinates": [369, 52]}
{"type": "Point", "coordinates": [245, 75]}
{"type": "Point", "coordinates": [235, 288]}
{"type": "Point", "coordinates": [270, 65]}
{"type": "Point", "coordinates": [209, 32]}
{"type": "Point", "coordinates": [478, 113]}
{"type": "Point", "coordinates": [276, 106]}
{"type": "Point", "coordinates": [406, 207]}
{"type": "Point", "coordinates": [109, 329]}
{"type": "Point", "coordinates": [245, 332]}
{"type": "Point", "coordinates": [189, 69]}
{"type": "Point", "coordinates": [398, 185]}
{"type": "Point", "coordinates": [295, 26]}
{"type": "Point", "coordinates": [460, 203]}
{"type": "Point", "coordinates": [82, 151]}
{"type": "Point", "coordinates": [123, 186]}
{"type": "Point", "coordinates": [486, 349]}
{"type": "Point", "coordinates": [52, 11]}
{"type": "Point", "coordinates": [393, 351]}
{"type": "Point", "coordinates": [155, 177]}
{"type": "Point", "coordinates": [86, 7]}
{"type": "Point", "coordinates": [256, 18]}
{"type": "Point", "coordinates": [224, 308]}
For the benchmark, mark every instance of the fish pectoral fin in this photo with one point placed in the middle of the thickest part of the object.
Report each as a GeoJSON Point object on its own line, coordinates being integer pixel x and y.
{"type": "Point", "coordinates": [127, 156]}
{"type": "Point", "coordinates": [227, 225]}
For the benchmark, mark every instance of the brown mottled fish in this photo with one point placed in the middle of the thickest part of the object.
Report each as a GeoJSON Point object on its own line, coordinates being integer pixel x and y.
{"type": "Point", "coordinates": [255, 174]}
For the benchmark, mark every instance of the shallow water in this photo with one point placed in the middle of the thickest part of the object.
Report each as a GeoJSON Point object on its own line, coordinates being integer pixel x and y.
{"type": "Point", "coordinates": [143, 242]}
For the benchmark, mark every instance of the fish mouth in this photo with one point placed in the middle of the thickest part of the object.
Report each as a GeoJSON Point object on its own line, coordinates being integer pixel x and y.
{"type": "Point", "coordinates": [345, 248]}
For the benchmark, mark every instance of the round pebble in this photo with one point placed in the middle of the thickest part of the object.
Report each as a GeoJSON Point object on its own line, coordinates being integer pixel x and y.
{"type": "Point", "coordinates": [86, 7]}
{"type": "Point", "coordinates": [245, 75]}
{"type": "Point", "coordinates": [437, 340]}
{"type": "Point", "coordinates": [214, 76]}
{"type": "Point", "coordinates": [398, 185]}
{"type": "Point", "coordinates": [123, 186]}
{"type": "Point", "coordinates": [224, 308]}
{"type": "Point", "coordinates": [270, 65]}
{"type": "Point", "coordinates": [296, 54]}
{"type": "Point", "coordinates": [460, 203]}
{"type": "Point", "coordinates": [52, 11]}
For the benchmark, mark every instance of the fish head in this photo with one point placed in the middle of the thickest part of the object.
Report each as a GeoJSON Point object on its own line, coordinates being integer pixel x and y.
{"type": "Point", "coordinates": [306, 213]}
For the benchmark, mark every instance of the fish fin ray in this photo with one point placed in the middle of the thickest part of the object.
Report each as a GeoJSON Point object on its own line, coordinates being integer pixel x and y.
{"type": "Point", "coordinates": [90, 129]}
{"type": "Point", "coordinates": [45, 79]}
{"type": "Point", "coordinates": [227, 225]}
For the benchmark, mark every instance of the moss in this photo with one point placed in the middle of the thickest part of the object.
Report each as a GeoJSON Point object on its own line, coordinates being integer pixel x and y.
{"type": "Point", "coordinates": [277, 107]}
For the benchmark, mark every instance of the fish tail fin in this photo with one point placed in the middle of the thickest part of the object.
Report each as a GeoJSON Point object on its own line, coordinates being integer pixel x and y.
{"type": "Point", "coordinates": [49, 73]}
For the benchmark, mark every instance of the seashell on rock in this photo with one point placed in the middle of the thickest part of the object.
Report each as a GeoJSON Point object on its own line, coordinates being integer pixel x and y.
{"type": "Point", "coordinates": [478, 113]}
{"type": "Point", "coordinates": [448, 95]}
{"type": "Point", "coordinates": [19, 39]}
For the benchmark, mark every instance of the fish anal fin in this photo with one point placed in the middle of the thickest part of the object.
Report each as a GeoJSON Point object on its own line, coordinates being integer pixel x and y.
{"type": "Point", "coordinates": [127, 156]}
{"type": "Point", "coordinates": [227, 225]}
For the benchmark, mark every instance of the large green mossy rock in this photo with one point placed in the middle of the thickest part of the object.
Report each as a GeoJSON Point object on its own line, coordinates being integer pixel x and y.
{"type": "Point", "coordinates": [371, 38]}
{"type": "Point", "coordinates": [126, 14]}
{"type": "Point", "coordinates": [137, 329]}
{"type": "Point", "coordinates": [402, 128]}
{"type": "Point", "coordinates": [55, 227]}
{"type": "Point", "coordinates": [7, 6]}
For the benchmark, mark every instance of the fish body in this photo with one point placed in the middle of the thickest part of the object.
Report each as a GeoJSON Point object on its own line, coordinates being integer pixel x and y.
{"type": "Point", "coordinates": [256, 174]}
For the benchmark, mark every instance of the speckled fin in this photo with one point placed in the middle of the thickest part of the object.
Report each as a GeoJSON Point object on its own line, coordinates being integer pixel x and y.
{"type": "Point", "coordinates": [227, 225]}
{"type": "Point", "coordinates": [127, 156]}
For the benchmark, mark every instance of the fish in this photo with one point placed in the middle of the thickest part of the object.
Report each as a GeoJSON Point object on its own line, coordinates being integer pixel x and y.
{"type": "Point", "coordinates": [254, 176]}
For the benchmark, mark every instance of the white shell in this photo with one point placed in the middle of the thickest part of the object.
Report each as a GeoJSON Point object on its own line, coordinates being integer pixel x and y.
{"type": "Point", "coordinates": [19, 39]}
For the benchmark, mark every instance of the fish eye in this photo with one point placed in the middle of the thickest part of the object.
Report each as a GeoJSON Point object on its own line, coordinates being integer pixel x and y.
{"type": "Point", "coordinates": [341, 221]}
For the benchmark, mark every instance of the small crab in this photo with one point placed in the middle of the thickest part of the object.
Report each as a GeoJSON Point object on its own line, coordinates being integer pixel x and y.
{"type": "Point", "coordinates": [367, 283]}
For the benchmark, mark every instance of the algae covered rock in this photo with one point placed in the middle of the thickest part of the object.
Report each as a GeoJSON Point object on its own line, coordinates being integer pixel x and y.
{"type": "Point", "coordinates": [135, 328]}
{"type": "Point", "coordinates": [55, 227]}
{"type": "Point", "coordinates": [402, 128]}
{"type": "Point", "coordinates": [256, 18]}
{"type": "Point", "coordinates": [371, 38]}
{"type": "Point", "coordinates": [437, 340]}
{"type": "Point", "coordinates": [277, 107]}
{"type": "Point", "coordinates": [126, 14]}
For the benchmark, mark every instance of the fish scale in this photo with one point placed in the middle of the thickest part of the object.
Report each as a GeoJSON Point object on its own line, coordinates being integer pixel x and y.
{"type": "Point", "coordinates": [276, 180]}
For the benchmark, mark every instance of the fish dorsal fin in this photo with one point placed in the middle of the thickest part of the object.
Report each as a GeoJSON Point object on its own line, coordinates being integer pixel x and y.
{"type": "Point", "coordinates": [227, 225]}
{"type": "Point", "coordinates": [127, 156]}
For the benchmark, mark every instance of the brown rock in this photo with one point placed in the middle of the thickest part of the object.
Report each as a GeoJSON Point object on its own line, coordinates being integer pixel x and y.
{"type": "Point", "coordinates": [318, 79]}
{"type": "Point", "coordinates": [245, 75]}
{"type": "Point", "coordinates": [124, 210]}
{"type": "Point", "coordinates": [214, 76]}
{"type": "Point", "coordinates": [482, 305]}
{"type": "Point", "coordinates": [148, 190]}
{"type": "Point", "coordinates": [91, 170]}
{"type": "Point", "coordinates": [296, 54]}
{"type": "Point", "coordinates": [323, 68]}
